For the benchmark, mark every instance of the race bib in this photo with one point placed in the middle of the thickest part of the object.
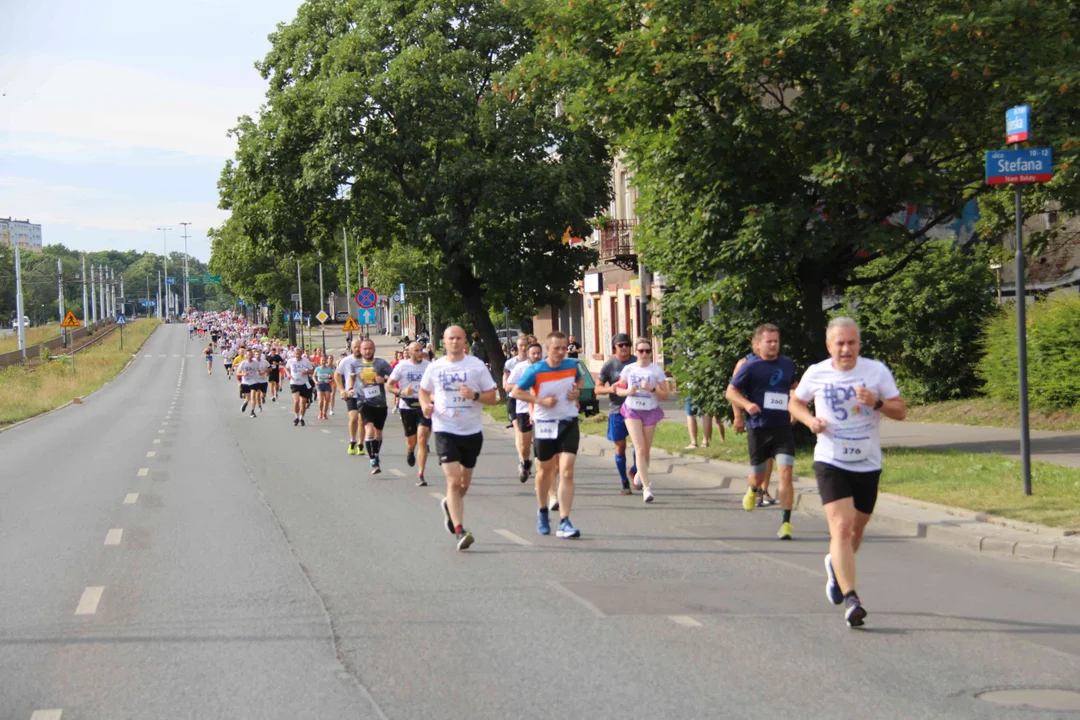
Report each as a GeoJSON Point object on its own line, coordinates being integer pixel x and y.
{"type": "Point", "coordinates": [851, 450]}
{"type": "Point", "coordinates": [546, 429]}
{"type": "Point", "coordinates": [776, 401]}
{"type": "Point", "coordinates": [370, 392]}
{"type": "Point", "coordinates": [453, 399]}
{"type": "Point", "coordinates": [639, 403]}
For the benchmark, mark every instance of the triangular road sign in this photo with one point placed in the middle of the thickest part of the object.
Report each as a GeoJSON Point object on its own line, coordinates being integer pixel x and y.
{"type": "Point", "coordinates": [296, 315]}
{"type": "Point", "coordinates": [70, 321]}
{"type": "Point", "coordinates": [121, 320]}
{"type": "Point", "coordinates": [350, 325]}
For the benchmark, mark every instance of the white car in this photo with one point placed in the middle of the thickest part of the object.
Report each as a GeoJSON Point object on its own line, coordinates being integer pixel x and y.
{"type": "Point", "coordinates": [25, 322]}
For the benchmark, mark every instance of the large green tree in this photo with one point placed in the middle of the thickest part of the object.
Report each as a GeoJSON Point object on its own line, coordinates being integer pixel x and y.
{"type": "Point", "coordinates": [387, 116]}
{"type": "Point", "coordinates": [777, 143]}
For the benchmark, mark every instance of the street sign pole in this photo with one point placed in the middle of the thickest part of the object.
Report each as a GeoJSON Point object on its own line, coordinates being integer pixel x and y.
{"type": "Point", "coordinates": [1021, 339]}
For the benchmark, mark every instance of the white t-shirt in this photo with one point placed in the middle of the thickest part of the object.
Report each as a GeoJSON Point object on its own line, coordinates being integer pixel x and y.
{"type": "Point", "coordinates": [298, 369]}
{"type": "Point", "coordinates": [522, 407]}
{"type": "Point", "coordinates": [852, 438]}
{"type": "Point", "coordinates": [453, 413]}
{"type": "Point", "coordinates": [408, 373]}
{"type": "Point", "coordinates": [633, 374]}
{"type": "Point", "coordinates": [249, 369]}
{"type": "Point", "coordinates": [349, 366]}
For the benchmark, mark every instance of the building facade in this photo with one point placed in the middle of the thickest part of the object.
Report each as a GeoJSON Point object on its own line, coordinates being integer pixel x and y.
{"type": "Point", "coordinates": [23, 232]}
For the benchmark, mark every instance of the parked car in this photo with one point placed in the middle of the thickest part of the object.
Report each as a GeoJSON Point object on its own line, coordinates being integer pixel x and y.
{"type": "Point", "coordinates": [25, 322]}
{"type": "Point", "coordinates": [341, 316]}
{"type": "Point", "coordinates": [506, 336]}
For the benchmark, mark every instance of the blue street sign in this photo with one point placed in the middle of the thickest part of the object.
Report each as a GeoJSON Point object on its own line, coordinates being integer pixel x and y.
{"type": "Point", "coordinates": [1033, 165]}
{"type": "Point", "coordinates": [148, 303]}
{"type": "Point", "coordinates": [240, 302]}
{"type": "Point", "coordinates": [121, 320]}
{"type": "Point", "coordinates": [296, 315]}
{"type": "Point", "coordinates": [1017, 123]}
{"type": "Point", "coordinates": [170, 281]}
{"type": "Point", "coordinates": [367, 316]}
{"type": "Point", "coordinates": [401, 292]}
{"type": "Point", "coordinates": [286, 316]}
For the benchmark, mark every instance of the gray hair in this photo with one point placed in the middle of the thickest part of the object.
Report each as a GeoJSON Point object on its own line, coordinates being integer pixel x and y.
{"type": "Point", "coordinates": [842, 322]}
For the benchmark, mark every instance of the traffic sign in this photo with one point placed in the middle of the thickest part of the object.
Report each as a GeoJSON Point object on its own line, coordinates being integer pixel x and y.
{"type": "Point", "coordinates": [396, 297]}
{"type": "Point", "coordinates": [1033, 165]}
{"type": "Point", "coordinates": [350, 325]}
{"type": "Point", "coordinates": [322, 316]}
{"type": "Point", "coordinates": [121, 320]}
{"type": "Point", "coordinates": [296, 316]}
{"type": "Point", "coordinates": [401, 293]}
{"type": "Point", "coordinates": [367, 316]}
{"type": "Point", "coordinates": [1017, 123]}
{"type": "Point", "coordinates": [211, 279]}
{"type": "Point", "coordinates": [194, 278]}
{"type": "Point", "coordinates": [170, 280]}
{"type": "Point", "coordinates": [366, 298]}
{"type": "Point", "coordinates": [70, 321]}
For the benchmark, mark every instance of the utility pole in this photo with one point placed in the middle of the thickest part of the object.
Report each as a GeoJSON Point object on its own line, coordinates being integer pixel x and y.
{"type": "Point", "coordinates": [19, 299]}
{"type": "Point", "coordinates": [165, 254]}
{"type": "Point", "coordinates": [300, 294]}
{"type": "Point", "coordinates": [112, 292]}
{"type": "Point", "coordinates": [159, 308]}
{"type": "Point", "coordinates": [322, 298]}
{"type": "Point", "coordinates": [147, 306]}
{"type": "Point", "coordinates": [93, 296]}
{"type": "Point", "coordinates": [187, 296]}
{"type": "Point", "coordinates": [85, 307]}
{"type": "Point", "coordinates": [101, 291]}
{"type": "Point", "coordinates": [348, 286]}
{"type": "Point", "coordinates": [60, 291]}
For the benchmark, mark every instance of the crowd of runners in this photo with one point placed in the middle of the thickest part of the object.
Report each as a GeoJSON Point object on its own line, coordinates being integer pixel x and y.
{"type": "Point", "coordinates": [443, 397]}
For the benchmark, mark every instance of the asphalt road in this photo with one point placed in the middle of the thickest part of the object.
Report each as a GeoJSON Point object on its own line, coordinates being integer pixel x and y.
{"type": "Point", "coordinates": [263, 573]}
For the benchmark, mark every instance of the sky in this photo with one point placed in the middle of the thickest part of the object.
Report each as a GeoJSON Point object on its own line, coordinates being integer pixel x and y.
{"type": "Point", "coordinates": [114, 114]}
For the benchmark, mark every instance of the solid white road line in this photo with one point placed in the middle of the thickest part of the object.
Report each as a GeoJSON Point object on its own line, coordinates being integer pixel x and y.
{"type": "Point", "coordinates": [152, 453]}
{"type": "Point", "coordinates": [397, 472]}
{"type": "Point", "coordinates": [513, 538]}
{"type": "Point", "coordinates": [684, 620]}
{"type": "Point", "coordinates": [131, 498]}
{"type": "Point", "coordinates": [48, 714]}
{"type": "Point", "coordinates": [113, 537]}
{"type": "Point", "coordinates": [143, 472]}
{"type": "Point", "coordinates": [89, 601]}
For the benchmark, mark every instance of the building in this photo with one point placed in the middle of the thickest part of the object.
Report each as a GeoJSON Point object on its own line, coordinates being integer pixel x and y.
{"type": "Point", "coordinates": [23, 232]}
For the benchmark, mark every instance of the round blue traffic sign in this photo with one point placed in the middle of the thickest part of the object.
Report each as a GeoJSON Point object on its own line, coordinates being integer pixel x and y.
{"type": "Point", "coordinates": [366, 298]}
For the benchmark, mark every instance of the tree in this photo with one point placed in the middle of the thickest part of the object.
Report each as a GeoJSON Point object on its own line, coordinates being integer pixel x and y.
{"type": "Point", "coordinates": [401, 104]}
{"type": "Point", "coordinates": [776, 143]}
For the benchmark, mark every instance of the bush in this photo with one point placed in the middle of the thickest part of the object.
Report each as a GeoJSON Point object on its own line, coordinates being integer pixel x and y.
{"type": "Point", "coordinates": [1053, 332]}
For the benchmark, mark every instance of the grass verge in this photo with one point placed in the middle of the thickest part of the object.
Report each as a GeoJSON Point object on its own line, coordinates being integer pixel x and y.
{"type": "Point", "coordinates": [992, 413]}
{"type": "Point", "coordinates": [26, 392]}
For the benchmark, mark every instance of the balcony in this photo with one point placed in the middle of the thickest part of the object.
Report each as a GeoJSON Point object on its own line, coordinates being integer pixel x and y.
{"type": "Point", "coordinates": [617, 244]}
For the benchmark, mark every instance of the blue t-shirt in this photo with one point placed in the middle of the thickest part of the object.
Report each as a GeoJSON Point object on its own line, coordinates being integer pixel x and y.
{"type": "Point", "coordinates": [766, 383]}
{"type": "Point", "coordinates": [544, 380]}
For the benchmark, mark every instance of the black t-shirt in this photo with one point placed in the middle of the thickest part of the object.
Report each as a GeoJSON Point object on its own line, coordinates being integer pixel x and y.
{"type": "Point", "coordinates": [276, 361]}
{"type": "Point", "coordinates": [609, 375]}
{"type": "Point", "coordinates": [572, 350]}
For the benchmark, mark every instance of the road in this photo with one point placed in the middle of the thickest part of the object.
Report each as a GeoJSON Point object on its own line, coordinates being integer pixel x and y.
{"type": "Point", "coordinates": [263, 573]}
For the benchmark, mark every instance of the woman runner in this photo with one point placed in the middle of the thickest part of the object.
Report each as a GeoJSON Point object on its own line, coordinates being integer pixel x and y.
{"type": "Point", "coordinates": [644, 385]}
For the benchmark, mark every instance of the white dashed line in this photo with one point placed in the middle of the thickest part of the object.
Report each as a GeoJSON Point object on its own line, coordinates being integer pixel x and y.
{"type": "Point", "coordinates": [164, 423]}
{"type": "Point", "coordinates": [143, 472]}
{"type": "Point", "coordinates": [157, 441]}
{"type": "Point", "coordinates": [163, 356]}
{"type": "Point", "coordinates": [131, 498]}
{"type": "Point", "coordinates": [48, 714]}
{"type": "Point", "coordinates": [397, 472]}
{"type": "Point", "coordinates": [513, 538]}
{"type": "Point", "coordinates": [160, 432]}
{"type": "Point", "coordinates": [684, 620]}
{"type": "Point", "coordinates": [89, 601]}
{"type": "Point", "coordinates": [437, 496]}
{"type": "Point", "coordinates": [112, 538]}
{"type": "Point", "coordinates": [152, 453]}
{"type": "Point", "coordinates": [326, 431]}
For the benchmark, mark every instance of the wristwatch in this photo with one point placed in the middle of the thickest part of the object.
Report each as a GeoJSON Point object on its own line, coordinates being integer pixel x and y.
{"type": "Point", "coordinates": [878, 404]}
{"type": "Point", "coordinates": [476, 395]}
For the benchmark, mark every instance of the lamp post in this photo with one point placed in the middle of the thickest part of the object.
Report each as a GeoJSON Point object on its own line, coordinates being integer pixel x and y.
{"type": "Point", "coordinates": [165, 254]}
{"type": "Point", "coordinates": [187, 297]}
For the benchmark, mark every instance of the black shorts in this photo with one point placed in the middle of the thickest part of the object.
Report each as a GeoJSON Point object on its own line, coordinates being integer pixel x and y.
{"type": "Point", "coordinates": [523, 422]}
{"type": "Point", "coordinates": [261, 387]}
{"type": "Point", "coordinates": [511, 408]}
{"type": "Point", "coordinates": [566, 441]}
{"type": "Point", "coordinates": [412, 419]}
{"type": "Point", "coordinates": [245, 389]}
{"type": "Point", "coordinates": [304, 390]}
{"type": "Point", "coordinates": [464, 449]}
{"type": "Point", "coordinates": [835, 483]}
{"type": "Point", "coordinates": [374, 415]}
{"type": "Point", "coordinates": [352, 404]}
{"type": "Point", "coordinates": [765, 443]}
{"type": "Point", "coordinates": [274, 376]}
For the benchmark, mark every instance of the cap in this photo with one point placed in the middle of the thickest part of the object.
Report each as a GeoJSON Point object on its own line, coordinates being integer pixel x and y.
{"type": "Point", "coordinates": [620, 338]}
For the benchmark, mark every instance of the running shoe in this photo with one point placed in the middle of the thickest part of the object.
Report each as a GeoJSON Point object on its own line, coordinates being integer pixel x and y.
{"type": "Point", "coordinates": [464, 539]}
{"type": "Point", "coordinates": [832, 588]}
{"type": "Point", "coordinates": [273, 399]}
{"type": "Point", "coordinates": [749, 499]}
{"type": "Point", "coordinates": [302, 423]}
{"type": "Point", "coordinates": [760, 501]}
{"type": "Point", "coordinates": [647, 494]}
{"type": "Point", "coordinates": [626, 489]}
{"type": "Point", "coordinates": [543, 525]}
{"type": "Point", "coordinates": [785, 532]}
{"type": "Point", "coordinates": [295, 421]}
{"type": "Point", "coordinates": [447, 522]}
{"type": "Point", "coordinates": [523, 474]}
{"type": "Point", "coordinates": [421, 482]}
{"type": "Point", "coordinates": [854, 612]}
{"type": "Point", "coordinates": [352, 448]}
{"type": "Point", "coordinates": [553, 504]}
{"type": "Point", "coordinates": [252, 413]}
{"type": "Point", "coordinates": [528, 465]}
{"type": "Point", "coordinates": [767, 500]}
{"type": "Point", "coordinates": [637, 485]}
{"type": "Point", "coordinates": [375, 469]}
{"type": "Point", "coordinates": [566, 530]}
{"type": "Point", "coordinates": [331, 412]}
{"type": "Point", "coordinates": [243, 408]}
{"type": "Point", "coordinates": [411, 458]}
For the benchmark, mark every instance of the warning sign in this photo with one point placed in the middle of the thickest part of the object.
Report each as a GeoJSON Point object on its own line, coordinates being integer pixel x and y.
{"type": "Point", "coordinates": [350, 325]}
{"type": "Point", "coordinates": [70, 321]}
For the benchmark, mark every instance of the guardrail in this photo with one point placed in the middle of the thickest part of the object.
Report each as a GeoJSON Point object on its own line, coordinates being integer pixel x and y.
{"type": "Point", "coordinates": [57, 344]}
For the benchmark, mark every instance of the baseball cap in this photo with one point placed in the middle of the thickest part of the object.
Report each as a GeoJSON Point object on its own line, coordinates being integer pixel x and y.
{"type": "Point", "coordinates": [620, 338]}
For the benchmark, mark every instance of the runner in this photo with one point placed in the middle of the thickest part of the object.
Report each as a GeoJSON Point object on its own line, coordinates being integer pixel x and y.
{"type": "Point", "coordinates": [644, 385]}
{"type": "Point", "coordinates": [555, 384]}
{"type": "Point", "coordinates": [523, 425]}
{"type": "Point", "coordinates": [274, 378]}
{"type": "Point", "coordinates": [299, 369]}
{"type": "Point", "coordinates": [349, 366]}
{"type": "Point", "coordinates": [451, 392]}
{"type": "Point", "coordinates": [324, 384]}
{"type": "Point", "coordinates": [248, 374]}
{"type": "Point", "coordinates": [368, 383]}
{"type": "Point", "coordinates": [761, 387]}
{"type": "Point", "coordinates": [258, 390]}
{"type": "Point", "coordinates": [511, 404]}
{"type": "Point", "coordinates": [764, 499]}
{"type": "Point", "coordinates": [850, 395]}
{"type": "Point", "coordinates": [616, 431]}
{"type": "Point", "coordinates": [227, 356]}
{"type": "Point", "coordinates": [208, 353]}
{"type": "Point", "coordinates": [405, 385]}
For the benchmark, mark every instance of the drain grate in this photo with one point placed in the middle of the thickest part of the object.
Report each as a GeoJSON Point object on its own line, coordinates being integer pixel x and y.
{"type": "Point", "coordinates": [1034, 698]}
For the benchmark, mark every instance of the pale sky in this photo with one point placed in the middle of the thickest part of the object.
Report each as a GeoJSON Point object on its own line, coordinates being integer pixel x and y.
{"type": "Point", "coordinates": [114, 114]}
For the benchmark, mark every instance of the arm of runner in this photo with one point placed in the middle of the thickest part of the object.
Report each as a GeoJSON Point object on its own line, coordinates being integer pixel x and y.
{"type": "Point", "coordinates": [427, 399]}
{"type": "Point", "coordinates": [894, 408]}
{"type": "Point", "coordinates": [798, 405]}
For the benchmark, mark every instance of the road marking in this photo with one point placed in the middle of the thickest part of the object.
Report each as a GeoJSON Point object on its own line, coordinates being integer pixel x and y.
{"type": "Point", "coordinates": [326, 431]}
{"type": "Point", "coordinates": [437, 496]}
{"type": "Point", "coordinates": [513, 538]}
{"type": "Point", "coordinates": [157, 441]}
{"type": "Point", "coordinates": [160, 432]}
{"type": "Point", "coordinates": [131, 498]}
{"type": "Point", "coordinates": [175, 355]}
{"type": "Point", "coordinates": [397, 472]}
{"type": "Point", "coordinates": [113, 536]}
{"type": "Point", "coordinates": [164, 423]}
{"type": "Point", "coordinates": [143, 472]}
{"type": "Point", "coordinates": [47, 714]}
{"type": "Point", "coordinates": [152, 453]}
{"type": "Point", "coordinates": [89, 601]}
{"type": "Point", "coordinates": [684, 620]}
{"type": "Point", "coordinates": [163, 356]}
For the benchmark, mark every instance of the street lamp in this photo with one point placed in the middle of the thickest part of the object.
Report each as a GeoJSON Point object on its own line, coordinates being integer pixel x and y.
{"type": "Point", "coordinates": [165, 253]}
{"type": "Point", "coordinates": [187, 298]}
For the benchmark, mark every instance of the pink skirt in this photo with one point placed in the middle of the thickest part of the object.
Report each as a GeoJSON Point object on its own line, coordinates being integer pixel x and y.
{"type": "Point", "coordinates": [647, 417]}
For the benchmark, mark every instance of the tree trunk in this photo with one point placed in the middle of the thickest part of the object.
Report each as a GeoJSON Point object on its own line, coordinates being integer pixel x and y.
{"type": "Point", "coordinates": [811, 287]}
{"type": "Point", "coordinates": [477, 310]}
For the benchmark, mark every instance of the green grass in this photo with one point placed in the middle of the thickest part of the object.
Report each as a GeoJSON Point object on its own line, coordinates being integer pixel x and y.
{"type": "Point", "coordinates": [34, 336]}
{"type": "Point", "coordinates": [29, 391]}
{"type": "Point", "coordinates": [992, 413]}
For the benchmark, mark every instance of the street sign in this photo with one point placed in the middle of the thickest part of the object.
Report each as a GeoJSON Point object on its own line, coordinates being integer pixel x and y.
{"type": "Point", "coordinates": [1033, 165]}
{"type": "Point", "coordinates": [285, 316]}
{"type": "Point", "coordinates": [401, 293]}
{"type": "Point", "coordinates": [211, 279]}
{"type": "Point", "coordinates": [322, 316]}
{"type": "Point", "coordinates": [350, 325]}
{"type": "Point", "coordinates": [296, 316]}
{"type": "Point", "coordinates": [70, 321]}
{"type": "Point", "coordinates": [240, 302]}
{"type": "Point", "coordinates": [367, 316]}
{"type": "Point", "coordinates": [396, 298]}
{"type": "Point", "coordinates": [194, 278]}
{"type": "Point", "coordinates": [366, 298]}
{"type": "Point", "coordinates": [1017, 123]}
{"type": "Point", "coordinates": [170, 280]}
{"type": "Point", "coordinates": [121, 320]}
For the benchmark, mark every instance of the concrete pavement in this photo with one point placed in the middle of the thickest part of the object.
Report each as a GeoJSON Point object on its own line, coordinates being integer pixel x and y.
{"type": "Point", "coordinates": [264, 573]}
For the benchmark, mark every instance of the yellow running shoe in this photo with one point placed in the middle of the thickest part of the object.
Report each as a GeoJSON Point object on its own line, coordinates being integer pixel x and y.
{"type": "Point", "coordinates": [785, 532]}
{"type": "Point", "coordinates": [749, 499]}
{"type": "Point", "coordinates": [352, 449]}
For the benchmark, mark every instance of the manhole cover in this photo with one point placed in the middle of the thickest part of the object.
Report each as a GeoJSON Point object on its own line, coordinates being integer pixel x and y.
{"type": "Point", "coordinates": [1034, 698]}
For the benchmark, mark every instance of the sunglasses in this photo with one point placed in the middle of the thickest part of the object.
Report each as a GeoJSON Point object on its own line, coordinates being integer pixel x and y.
{"type": "Point", "coordinates": [645, 350]}
{"type": "Point", "coordinates": [618, 345]}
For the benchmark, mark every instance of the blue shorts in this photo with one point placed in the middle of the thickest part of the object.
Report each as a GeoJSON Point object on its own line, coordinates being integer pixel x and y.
{"type": "Point", "coordinates": [616, 427]}
{"type": "Point", "coordinates": [691, 409]}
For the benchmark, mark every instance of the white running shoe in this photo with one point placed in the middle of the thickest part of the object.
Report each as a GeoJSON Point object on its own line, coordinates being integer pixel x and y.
{"type": "Point", "coordinates": [647, 494]}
